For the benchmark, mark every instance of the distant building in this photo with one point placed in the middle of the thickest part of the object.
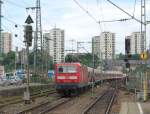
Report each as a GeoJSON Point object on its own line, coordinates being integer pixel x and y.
{"type": "Point", "coordinates": [54, 43]}
{"type": "Point", "coordinates": [137, 43]}
{"type": "Point", "coordinates": [22, 56]}
{"type": "Point", "coordinates": [127, 44]}
{"type": "Point", "coordinates": [106, 48]}
{"type": "Point", "coordinates": [96, 45]}
{"type": "Point", "coordinates": [6, 42]}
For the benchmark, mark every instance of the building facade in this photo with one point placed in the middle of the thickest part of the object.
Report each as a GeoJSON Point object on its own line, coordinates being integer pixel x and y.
{"type": "Point", "coordinates": [137, 43]}
{"type": "Point", "coordinates": [6, 42]}
{"type": "Point", "coordinates": [54, 43]}
{"type": "Point", "coordinates": [105, 45]}
{"type": "Point", "coordinates": [22, 55]}
{"type": "Point", "coordinates": [96, 46]}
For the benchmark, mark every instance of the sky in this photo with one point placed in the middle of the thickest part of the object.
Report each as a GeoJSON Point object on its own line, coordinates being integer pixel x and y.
{"type": "Point", "coordinates": [78, 25]}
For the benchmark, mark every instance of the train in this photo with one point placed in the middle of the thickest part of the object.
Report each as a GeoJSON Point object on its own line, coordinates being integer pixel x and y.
{"type": "Point", "coordinates": [74, 77]}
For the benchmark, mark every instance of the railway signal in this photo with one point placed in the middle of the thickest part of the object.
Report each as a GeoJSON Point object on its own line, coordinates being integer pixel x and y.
{"type": "Point", "coordinates": [28, 35]}
{"type": "Point", "coordinates": [28, 41]}
{"type": "Point", "coordinates": [127, 51]}
{"type": "Point", "coordinates": [144, 56]}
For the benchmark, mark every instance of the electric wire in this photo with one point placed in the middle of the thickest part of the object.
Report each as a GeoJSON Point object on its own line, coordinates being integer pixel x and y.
{"type": "Point", "coordinates": [125, 12]}
{"type": "Point", "coordinates": [88, 13]}
{"type": "Point", "coordinates": [13, 22]}
{"type": "Point", "coordinates": [134, 7]}
{"type": "Point", "coordinates": [15, 4]}
{"type": "Point", "coordinates": [107, 21]}
{"type": "Point", "coordinates": [99, 5]}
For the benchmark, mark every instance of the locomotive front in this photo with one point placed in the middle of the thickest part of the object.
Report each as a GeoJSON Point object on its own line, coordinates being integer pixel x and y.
{"type": "Point", "coordinates": [67, 76]}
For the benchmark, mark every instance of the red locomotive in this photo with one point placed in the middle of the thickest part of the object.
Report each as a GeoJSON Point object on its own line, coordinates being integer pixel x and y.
{"type": "Point", "coordinates": [73, 77]}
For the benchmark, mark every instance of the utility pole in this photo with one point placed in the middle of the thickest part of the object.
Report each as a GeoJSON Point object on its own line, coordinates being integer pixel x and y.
{"type": "Point", "coordinates": [143, 25]}
{"type": "Point", "coordinates": [72, 41]}
{"type": "Point", "coordinates": [78, 46]}
{"type": "Point", "coordinates": [143, 46]}
{"type": "Point", "coordinates": [16, 57]}
{"type": "Point", "coordinates": [1, 2]}
{"type": "Point", "coordinates": [38, 42]}
{"type": "Point", "coordinates": [47, 53]}
{"type": "Point", "coordinates": [93, 59]}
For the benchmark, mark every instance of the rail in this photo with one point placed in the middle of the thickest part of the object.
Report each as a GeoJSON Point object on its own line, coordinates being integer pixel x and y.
{"type": "Point", "coordinates": [102, 98]}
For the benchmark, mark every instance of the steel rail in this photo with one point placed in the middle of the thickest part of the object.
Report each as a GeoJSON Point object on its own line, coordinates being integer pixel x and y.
{"type": "Point", "coordinates": [19, 100]}
{"type": "Point", "coordinates": [111, 102]}
{"type": "Point", "coordinates": [48, 109]}
{"type": "Point", "coordinates": [91, 105]}
{"type": "Point", "coordinates": [108, 107]}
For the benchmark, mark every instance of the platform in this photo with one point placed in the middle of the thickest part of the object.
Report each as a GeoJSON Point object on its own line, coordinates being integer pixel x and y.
{"type": "Point", "coordinates": [131, 108]}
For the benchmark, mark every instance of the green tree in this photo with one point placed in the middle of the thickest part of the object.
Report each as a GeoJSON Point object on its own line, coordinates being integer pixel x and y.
{"type": "Point", "coordinates": [86, 59]}
{"type": "Point", "coordinates": [9, 61]}
{"type": "Point", "coordinates": [43, 58]}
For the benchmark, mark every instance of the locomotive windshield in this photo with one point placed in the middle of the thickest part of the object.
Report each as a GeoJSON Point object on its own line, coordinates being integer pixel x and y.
{"type": "Point", "coordinates": [67, 69]}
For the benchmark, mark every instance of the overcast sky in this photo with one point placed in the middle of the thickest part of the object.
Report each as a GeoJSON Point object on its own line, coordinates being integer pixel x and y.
{"type": "Point", "coordinates": [78, 25]}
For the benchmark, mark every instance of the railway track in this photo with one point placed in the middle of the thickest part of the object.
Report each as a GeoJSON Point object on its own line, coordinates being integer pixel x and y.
{"type": "Point", "coordinates": [103, 104]}
{"type": "Point", "coordinates": [19, 99]}
{"type": "Point", "coordinates": [45, 107]}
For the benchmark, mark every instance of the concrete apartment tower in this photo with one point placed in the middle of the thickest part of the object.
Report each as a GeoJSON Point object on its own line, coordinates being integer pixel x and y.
{"type": "Point", "coordinates": [104, 45]}
{"type": "Point", "coordinates": [96, 46]}
{"type": "Point", "coordinates": [54, 43]}
{"type": "Point", "coordinates": [137, 43]}
{"type": "Point", "coordinates": [6, 42]}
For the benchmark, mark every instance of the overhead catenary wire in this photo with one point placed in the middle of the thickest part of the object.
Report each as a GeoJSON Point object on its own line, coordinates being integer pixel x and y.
{"type": "Point", "coordinates": [99, 5]}
{"type": "Point", "coordinates": [15, 4]}
{"type": "Point", "coordinates": [88, 13]}
{"type": "Point", "coordinates": [134, 7]}
{"type": "Point", "coordinates": [125, 12]}
{"type": "Point", "coordinates": [11, 21]}
{"type": "Point", "coordinates": [115, 20]}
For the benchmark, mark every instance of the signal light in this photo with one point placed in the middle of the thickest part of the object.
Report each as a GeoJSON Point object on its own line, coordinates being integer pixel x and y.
{"type": "Point", "coordinates": [28, 35]}
{"type": "Point", "coordinates": [127, 65]}
{"type": "Point", "coordinates": [129, 56]}
{"type": "Point", "coordinates": [127, 46]}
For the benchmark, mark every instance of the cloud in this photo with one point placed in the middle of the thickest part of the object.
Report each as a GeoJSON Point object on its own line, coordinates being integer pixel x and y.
{"type": "Point", "coordinates": [79, 26]}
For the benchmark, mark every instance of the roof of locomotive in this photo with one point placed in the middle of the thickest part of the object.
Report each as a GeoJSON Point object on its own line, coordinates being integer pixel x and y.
{"type": "Point", "coordinates": [67, 64]}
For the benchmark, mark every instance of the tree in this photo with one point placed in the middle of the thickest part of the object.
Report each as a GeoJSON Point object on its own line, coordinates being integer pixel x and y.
{"type": "Point", "coordinates": [85, 59]}
{"type": "Point", "coordinates": [43, 58]}
{"type": "Point", "coordinates": [9, 61]}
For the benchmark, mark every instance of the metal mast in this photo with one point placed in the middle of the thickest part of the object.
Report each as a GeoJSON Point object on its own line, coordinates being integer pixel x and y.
{"type": "Point", "coordinates": [143, 25]}
{"type": "Point", "coordinates": [1, 26]}
{"type": "Point", "coordinates": [38, 43]}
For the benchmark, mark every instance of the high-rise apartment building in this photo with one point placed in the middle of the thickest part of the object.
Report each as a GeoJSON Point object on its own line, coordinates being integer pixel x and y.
{"type": "Point", "coordinates": [54, 41]}
{"type": "Point", "coordinates": [22, 56]}
{"type": "Point", "coordinates": [105, 45]}
{"type": "Point", "coordinates": [96, 45]}
{"type": "Point", "coordinates": [137, 43]}
{"type": "Point", "coordinates": [6, 42]}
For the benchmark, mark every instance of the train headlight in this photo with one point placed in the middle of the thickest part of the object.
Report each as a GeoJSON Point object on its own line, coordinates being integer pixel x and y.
{"type": "Point", "coordinates": [73, 77]}
{"type": "Point", "coordinates": [60, 77]}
